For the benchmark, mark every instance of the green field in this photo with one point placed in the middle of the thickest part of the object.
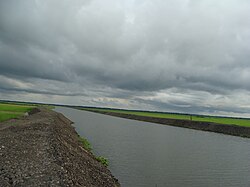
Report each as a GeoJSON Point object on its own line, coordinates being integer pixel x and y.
{"type": "Point", "coordinates": [221, 120]}
{"type": "Point", "coordinates": [9, 111]}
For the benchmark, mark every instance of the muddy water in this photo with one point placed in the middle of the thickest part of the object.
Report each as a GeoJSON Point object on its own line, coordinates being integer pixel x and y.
{"type": "Point", "coordinates": [149, 155]}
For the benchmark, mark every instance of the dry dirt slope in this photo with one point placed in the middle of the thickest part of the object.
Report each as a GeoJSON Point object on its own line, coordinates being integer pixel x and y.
{"type": "Point", "coordinates": [43, 150]}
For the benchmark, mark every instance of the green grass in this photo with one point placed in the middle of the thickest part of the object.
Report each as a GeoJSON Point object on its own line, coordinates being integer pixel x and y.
{"type": "Point", "coordinates": [103, 160]}
{"type": "Point", "coordinates": [15, 108]}
{"type": "Point", "coordinates": [85, 143]}
{"type": "Point", "coordinates": [9, 111]}
{"type": "Point", "coordinates": [5, 116]}
{"type": "Point", "coordinates": [221, 120]}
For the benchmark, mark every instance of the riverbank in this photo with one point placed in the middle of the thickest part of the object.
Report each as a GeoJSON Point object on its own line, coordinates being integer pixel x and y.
{"type": "Point", "coordinates": [197, 125]}
{"type": "Point", "coordinates": [43, 149]}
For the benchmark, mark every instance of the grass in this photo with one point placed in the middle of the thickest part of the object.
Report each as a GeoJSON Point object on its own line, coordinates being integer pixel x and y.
{"type": "Point", "coordinates": [221, 120]}
{"type": "Point", "coordinates": [9, 111]}
{"type": "Point", "coordinates": [86, 145]}
{"type": "Point", "coordinates": [5, 116]}
{"type": "Point", "coordinates": [103, 160]}
{"type": "Point", "coordinates": [15, 108]}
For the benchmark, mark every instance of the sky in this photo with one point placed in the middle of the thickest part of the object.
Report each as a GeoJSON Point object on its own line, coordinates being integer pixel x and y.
{"type": "Point", "coordinates": [190, 56]}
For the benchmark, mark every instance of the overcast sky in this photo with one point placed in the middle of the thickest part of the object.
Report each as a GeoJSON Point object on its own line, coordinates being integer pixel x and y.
{"type": "Point", "coordinates": [168, 55]}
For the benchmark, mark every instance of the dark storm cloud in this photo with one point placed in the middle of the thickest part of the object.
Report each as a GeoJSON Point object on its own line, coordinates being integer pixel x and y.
{"type": "Point", "coordinates": [22, 63]}
{"type": "Point", "coordinates": [8, 85]}
{"type": "Point", "coordinates": [123, 52]}
{"type": "Point", "coordinates": [195, 108]}
{"type": "Point", "coordinates": [36, 91]}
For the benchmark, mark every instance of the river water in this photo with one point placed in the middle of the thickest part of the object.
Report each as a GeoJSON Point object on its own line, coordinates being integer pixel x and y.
{"type": "Point", "coordinates": [144, 154]}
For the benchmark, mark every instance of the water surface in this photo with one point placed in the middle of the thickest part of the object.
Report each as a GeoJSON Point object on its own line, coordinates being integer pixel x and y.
{"type": "Point", "coordinates": [147, 155]}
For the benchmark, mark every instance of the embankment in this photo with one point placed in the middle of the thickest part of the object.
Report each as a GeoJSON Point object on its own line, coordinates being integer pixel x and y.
{"type": "Point", "coordinates": [204, 126]}
{"type": "Point", "coordinates": [43, 149]}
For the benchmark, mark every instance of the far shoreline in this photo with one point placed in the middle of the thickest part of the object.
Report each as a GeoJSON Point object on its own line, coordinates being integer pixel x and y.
{"type": "Point", "coordinates": [233, 130]}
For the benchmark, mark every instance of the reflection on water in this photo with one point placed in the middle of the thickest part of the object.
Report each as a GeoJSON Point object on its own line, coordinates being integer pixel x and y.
{"type": "Point", "coordinates": [145, 154]}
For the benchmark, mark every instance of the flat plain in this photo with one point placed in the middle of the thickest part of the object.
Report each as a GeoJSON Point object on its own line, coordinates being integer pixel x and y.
{"type": "Point", "coordinates": [10, 111]}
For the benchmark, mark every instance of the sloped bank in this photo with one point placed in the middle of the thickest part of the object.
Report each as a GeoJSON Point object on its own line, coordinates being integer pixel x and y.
{"type": "Point", "coordinates": [43, 149]}
{"type": "Point", "coordinates": [204, 126]}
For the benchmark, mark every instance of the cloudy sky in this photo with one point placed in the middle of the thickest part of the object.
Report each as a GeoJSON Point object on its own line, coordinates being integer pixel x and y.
{"type": "Point", "coordinates": [167, 55]}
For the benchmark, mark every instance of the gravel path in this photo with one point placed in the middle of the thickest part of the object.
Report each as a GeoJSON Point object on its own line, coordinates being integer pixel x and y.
{"type": "Point", "coordinates": [43, 150]}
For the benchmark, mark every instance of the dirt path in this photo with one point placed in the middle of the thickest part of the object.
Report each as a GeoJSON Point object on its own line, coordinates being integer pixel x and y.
{"type": "Point", "coordinates": [43, 150]}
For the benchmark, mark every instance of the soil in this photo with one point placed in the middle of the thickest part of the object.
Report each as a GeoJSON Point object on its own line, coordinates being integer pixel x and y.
{"type": "Point", "coordinates": [43, 149]}
{"type": "Point", "coordinates": [204, 126]}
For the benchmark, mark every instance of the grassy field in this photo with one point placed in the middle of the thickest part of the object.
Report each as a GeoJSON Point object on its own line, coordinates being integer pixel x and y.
{"type": "Point", "coordinates": [221, 120]}
{"type": "Point", "coordinates": [9, 111]}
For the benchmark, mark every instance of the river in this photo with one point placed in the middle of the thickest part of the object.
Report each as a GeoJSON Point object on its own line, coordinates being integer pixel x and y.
{"type": "Point", "coordinates": [144, 154]}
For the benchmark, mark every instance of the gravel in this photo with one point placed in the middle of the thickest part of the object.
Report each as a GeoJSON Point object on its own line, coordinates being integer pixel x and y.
{"type": "Point", "coordinates": [43, 149]}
